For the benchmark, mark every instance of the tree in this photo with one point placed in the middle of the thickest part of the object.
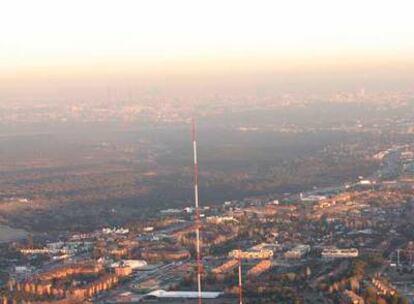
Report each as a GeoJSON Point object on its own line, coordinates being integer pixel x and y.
{"type": "Point", "coordinates": [404, 301]}
{"type": "Point", "coordinates": [381, 301]}
{"type": "Point", "coordinates": [371, 295]}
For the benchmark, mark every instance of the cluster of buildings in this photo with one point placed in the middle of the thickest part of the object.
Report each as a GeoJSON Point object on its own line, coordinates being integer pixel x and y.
{"type": "Point", "coordinates": [51, 284]}
{"type": "Point", "coordinates": [265, 235]}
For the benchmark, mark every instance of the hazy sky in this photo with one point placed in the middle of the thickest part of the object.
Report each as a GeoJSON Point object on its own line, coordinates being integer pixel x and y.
{"type": "Point", "coordinates": [50, 39]}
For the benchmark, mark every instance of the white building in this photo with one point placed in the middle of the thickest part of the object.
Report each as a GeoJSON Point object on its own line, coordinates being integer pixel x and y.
{"type": "Point", "coordinates": [55, 245]}
{"type": "Point", "coordinates": [115, 231]}
{"type": "Point", "coordinates": [21, 269]}
{"type": "Point", "coordinates": [133, 264]}
{"type": "Point", "coordinates": [253, 254]}
{"type": "Point", "coordinates": [312, 198]}
{"type": "Point", "coordinates": [333, 253]}
{"type": "Point", "coordinates": [183, 294]}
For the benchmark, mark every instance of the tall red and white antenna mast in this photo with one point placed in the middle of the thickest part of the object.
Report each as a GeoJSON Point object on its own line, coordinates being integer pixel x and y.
{"type": "Point", "coordinates": [240, 282]}
{"type": "Point", "coordinates": [197, 213]}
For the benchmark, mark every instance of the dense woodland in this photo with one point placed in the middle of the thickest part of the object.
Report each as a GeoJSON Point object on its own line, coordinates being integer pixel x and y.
{"type": "Point", "coordinates": [82, 176]}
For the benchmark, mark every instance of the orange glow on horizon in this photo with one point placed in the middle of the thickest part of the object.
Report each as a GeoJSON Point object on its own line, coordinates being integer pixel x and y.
{"type": "Point", "coordinates": [186, 35]}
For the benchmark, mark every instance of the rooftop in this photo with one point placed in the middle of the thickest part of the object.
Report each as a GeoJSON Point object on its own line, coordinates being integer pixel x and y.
{"type": "Point", "coordinates": [184, 294]}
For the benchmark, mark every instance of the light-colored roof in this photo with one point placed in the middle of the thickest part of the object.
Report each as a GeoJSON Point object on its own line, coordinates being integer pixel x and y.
{"type": "Point", "coordinates": [183, 294]}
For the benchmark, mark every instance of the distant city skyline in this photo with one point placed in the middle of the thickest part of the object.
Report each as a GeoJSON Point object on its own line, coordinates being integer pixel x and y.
{"type": "Point", "coordinates": [49, 47]}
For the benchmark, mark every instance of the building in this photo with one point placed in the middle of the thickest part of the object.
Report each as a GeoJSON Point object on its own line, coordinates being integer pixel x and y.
{"type": "Point", "coordinates": [312, 198]}
{"type": "Point", "coordinates": [267, 246]}
{"type": "Point", "coordinates": [162, 294]}
{"type": "Point", "coordinates": [165, 254]}
{"type": "Point", "coordinates": [340, 253]}
{"type": "Point", "coordinates": [259, 268]}
{"type": "Point", "coordinates": [133, 264]}
{"type": "Point", "coordinates": [221, 219]}
{"type": "Point", "coordinates": [259, 254]}
{"type": "Point", "coordinates": [229, 265]}
{"type": "Point", "coordinates": [383, 287]}
{"type": "Point", "coordinates": [123, 271]}
{"type": "Point", "coordinates": [351, 297]}
{"type": "Point", "coordinates": [298, 252]}
{"type": "Point", "coordinates": [22, 270]}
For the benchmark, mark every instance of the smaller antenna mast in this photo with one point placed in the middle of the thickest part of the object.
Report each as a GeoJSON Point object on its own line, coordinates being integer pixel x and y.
{"type": "Point", "coordinates": [240, 282]}
{"type": "Point", "coordinates": [197, 213]}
